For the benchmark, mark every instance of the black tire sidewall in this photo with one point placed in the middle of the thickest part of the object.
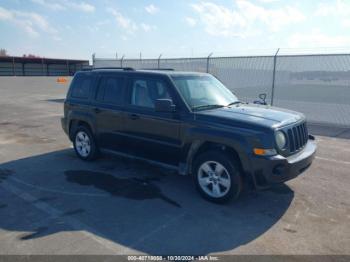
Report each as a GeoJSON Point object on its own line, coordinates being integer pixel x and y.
{"type": "Point", "coordinates": [93, 151]}
{"type": "Point", "coordinates": [232, 168]}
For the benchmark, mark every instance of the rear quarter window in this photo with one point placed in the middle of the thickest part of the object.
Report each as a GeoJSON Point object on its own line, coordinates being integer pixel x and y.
{"type": "Point", "coordinates": [81, 87]}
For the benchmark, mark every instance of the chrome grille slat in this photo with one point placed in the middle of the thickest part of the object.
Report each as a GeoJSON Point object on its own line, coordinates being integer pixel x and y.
{"type": "Point", "coordinates": [304, 134]}
{"type": "Point", "coordinates": [291, 140]}
{"type": "Point", "coordinates": [298, 136]}
{"type": "Point", "coordinates": [296, 140]}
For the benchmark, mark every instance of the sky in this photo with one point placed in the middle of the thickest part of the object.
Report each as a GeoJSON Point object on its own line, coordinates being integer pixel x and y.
{"type": "Point", "coordinates": [173, 28]}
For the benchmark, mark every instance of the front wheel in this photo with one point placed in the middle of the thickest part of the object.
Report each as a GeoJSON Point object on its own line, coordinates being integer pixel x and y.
{"type": "Point", "coordinates": [217, 177]}
{"type": "Point", "coordinates": [84, 144]}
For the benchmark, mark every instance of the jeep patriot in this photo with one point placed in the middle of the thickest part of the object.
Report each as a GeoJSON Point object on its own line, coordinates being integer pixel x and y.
{"type": "Point", "coordinates": [189, 122]}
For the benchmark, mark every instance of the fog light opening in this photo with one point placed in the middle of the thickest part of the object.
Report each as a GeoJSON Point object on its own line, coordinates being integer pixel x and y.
{"type": "Point", "coordinates": [279, 170]}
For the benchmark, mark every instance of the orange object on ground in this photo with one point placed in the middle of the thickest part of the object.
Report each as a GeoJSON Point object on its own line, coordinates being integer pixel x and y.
{"type": "Point", "coordinates": [62, 80]}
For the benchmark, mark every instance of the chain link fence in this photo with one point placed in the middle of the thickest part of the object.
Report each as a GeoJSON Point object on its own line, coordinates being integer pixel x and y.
{"type": "Point", "coordinates": [316, 85]}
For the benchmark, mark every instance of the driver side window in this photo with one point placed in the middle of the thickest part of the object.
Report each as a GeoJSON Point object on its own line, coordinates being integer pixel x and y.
{"type": "Point", "coordinates": [144, 92]}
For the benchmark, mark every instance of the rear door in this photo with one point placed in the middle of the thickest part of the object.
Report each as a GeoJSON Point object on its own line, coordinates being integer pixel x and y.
{"type": "Point", "coordinates": [108, 109]}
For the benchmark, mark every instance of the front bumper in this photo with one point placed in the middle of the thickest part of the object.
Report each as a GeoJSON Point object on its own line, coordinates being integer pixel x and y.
{"type": "Point", "coordinates": [278, 169]}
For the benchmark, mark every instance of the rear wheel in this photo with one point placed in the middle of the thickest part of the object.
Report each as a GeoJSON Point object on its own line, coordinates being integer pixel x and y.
{"type": "Point", "coordinates": [217, 177]}
{"type": "Point", "coordinates": [84, 143]}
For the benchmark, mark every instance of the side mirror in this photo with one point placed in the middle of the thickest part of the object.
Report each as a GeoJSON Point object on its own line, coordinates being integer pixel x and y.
{"type": "Point", "coordinates": [164, 105]}
{"type": "Point", "coordinates": [263, 99]}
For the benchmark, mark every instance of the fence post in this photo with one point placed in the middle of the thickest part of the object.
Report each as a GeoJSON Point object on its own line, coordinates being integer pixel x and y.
{"type": "Point", "coordinates": [159, 61]}
{"type": "Point", "coordinates": [68, 71]}
{"type": "Point", "coordinates": [274, 76]}
{"type": "Point", "coordinates": [121, 61]}
{"type": "Point", "coordinates": [208, 58]}
{"type": "Point", "coordinates": [13, 66]}
{"type": "Point", "coordinates": [140, 61]}
{"type": "Point", "coordinates": [42, 67]}
{"type": "Point", "coordinates": [93, 60]}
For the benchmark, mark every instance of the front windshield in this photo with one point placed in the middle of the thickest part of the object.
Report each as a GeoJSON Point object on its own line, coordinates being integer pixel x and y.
{"type": "Point", "coordinates": [204, 92]}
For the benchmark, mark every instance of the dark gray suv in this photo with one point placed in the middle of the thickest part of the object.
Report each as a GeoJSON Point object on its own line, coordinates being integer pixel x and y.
{"type": "Point", "coordinates": [189, 122]}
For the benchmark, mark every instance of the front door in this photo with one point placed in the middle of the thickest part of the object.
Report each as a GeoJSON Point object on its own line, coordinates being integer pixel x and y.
{"type": "Point", "coordinates": [152, 135]}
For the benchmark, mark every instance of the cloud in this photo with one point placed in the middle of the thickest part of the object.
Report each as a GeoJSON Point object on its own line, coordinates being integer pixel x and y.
{"type": "Point", "coordinates": [29, 22]}
{"type": "Point", "coordinates": [129, 26]}
{"type": "Point", "coordinates": [345, 23]}
{"type": "Point", "coordinates": [57, 38]}
{"type": "Point", "coordinates": [316, 38]}
{"type": "Point", "coordinates": [147, 27]}
{"type": "Point", "coordinates": [82, 6]}
{"type": "Point", "coordinates": [275, 19]}
{"type": "Point", "coordinates": [5, 14]}
{"type": "Point", "coordinates": [217, 19]}
{"type": "Point", "coordinates": [66, 5]}
{"type": "Point", "coordinates": [51, 5]}
{"type": "Point", "coordinates": [191, 21]}
{"type": "Point", "coordinates": [268, 1]}
{"type": "Point", "coordinates": [244, 19]}
{"type": "Point", "coordinates": [152, 9]}
{"type": "Point", "coordinates": [337, 8]}
{"type": "Point", "coordinates": [124, 22]}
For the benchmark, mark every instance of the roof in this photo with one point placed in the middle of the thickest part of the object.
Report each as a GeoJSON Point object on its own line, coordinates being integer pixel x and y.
{"type": "Point", "coordinates": [168, 72]}
{"type": "Point", "coordinates": [39, 60]}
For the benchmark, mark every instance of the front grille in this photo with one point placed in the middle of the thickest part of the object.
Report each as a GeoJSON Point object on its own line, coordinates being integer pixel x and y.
{"type": "Point", "coordinates": [297, 136]}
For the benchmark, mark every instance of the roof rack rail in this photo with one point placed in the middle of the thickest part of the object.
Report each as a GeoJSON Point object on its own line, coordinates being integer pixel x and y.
{"type": "Point", "coordinates": [158, 69]}
{"type": "Point", "coordinates": [120, 68]}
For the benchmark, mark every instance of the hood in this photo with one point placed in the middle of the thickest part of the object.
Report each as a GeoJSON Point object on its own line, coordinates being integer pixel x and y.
{"type": "Point", "coordinates": [256, 114]}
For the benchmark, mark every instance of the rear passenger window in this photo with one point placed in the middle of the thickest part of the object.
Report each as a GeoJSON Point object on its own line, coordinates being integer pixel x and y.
{"type": "Point", "coordinates": [81, 87]}
{"type": "Point", "coordinates": [110, 90]}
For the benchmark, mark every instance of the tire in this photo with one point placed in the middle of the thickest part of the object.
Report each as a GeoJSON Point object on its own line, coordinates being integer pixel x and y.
{"type": "Point", "coordinates": [84, 144]}
{"type": "Point", "coordinates": [217, 176]}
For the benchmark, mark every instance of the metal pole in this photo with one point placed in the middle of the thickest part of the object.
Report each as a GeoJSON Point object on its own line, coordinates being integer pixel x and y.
{"type": "Point", "coordinates": [121, 61]}
{"type": "Point", "coordinates": [13, 66]}
{"type": "Point", "coordinates": [159, 61]}
{"type": "Point", "coordinates": [68, 67]}
{"type": "Point", "coordinates": [208, 61]}
{"type": "Point", "coordinates": [116, 55]}
{"type": "Point", "coordinates": [274, 76]}
{"type": "Point", "coordinates": [93, 60]}
{"type": "Point", "coordinates": [42, 67]}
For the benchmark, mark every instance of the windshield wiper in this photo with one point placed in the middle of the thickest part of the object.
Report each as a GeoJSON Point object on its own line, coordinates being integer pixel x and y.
{"type": "Point", "coordinates": [207, 107]}
{"type": "Point", "coordinates": [234, 103]}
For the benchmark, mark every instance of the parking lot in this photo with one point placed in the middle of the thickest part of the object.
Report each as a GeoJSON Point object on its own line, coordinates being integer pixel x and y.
{"type": "Point", "coordinates": [53, 203]}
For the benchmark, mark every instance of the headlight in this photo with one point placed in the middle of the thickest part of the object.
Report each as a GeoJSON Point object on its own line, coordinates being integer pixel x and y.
{"type": "Point", "coordinates": [281, 139]}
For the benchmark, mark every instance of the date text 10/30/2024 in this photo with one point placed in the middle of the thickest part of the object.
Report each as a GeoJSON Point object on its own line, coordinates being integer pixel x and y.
{"type": "Point", "coordinates": [172, 258]}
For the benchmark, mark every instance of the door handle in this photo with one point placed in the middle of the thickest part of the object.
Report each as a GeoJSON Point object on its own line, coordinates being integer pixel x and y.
{"type": "Point", "coordinates": [97, 110]}
{"type": "Point", "coordinates": [134, 116]}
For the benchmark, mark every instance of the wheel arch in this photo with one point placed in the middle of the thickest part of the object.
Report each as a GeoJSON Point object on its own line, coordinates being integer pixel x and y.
{"type": "Point", "coordinates": [74, 123]}
{"type": "Point", "coordinates": [234, 152]}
